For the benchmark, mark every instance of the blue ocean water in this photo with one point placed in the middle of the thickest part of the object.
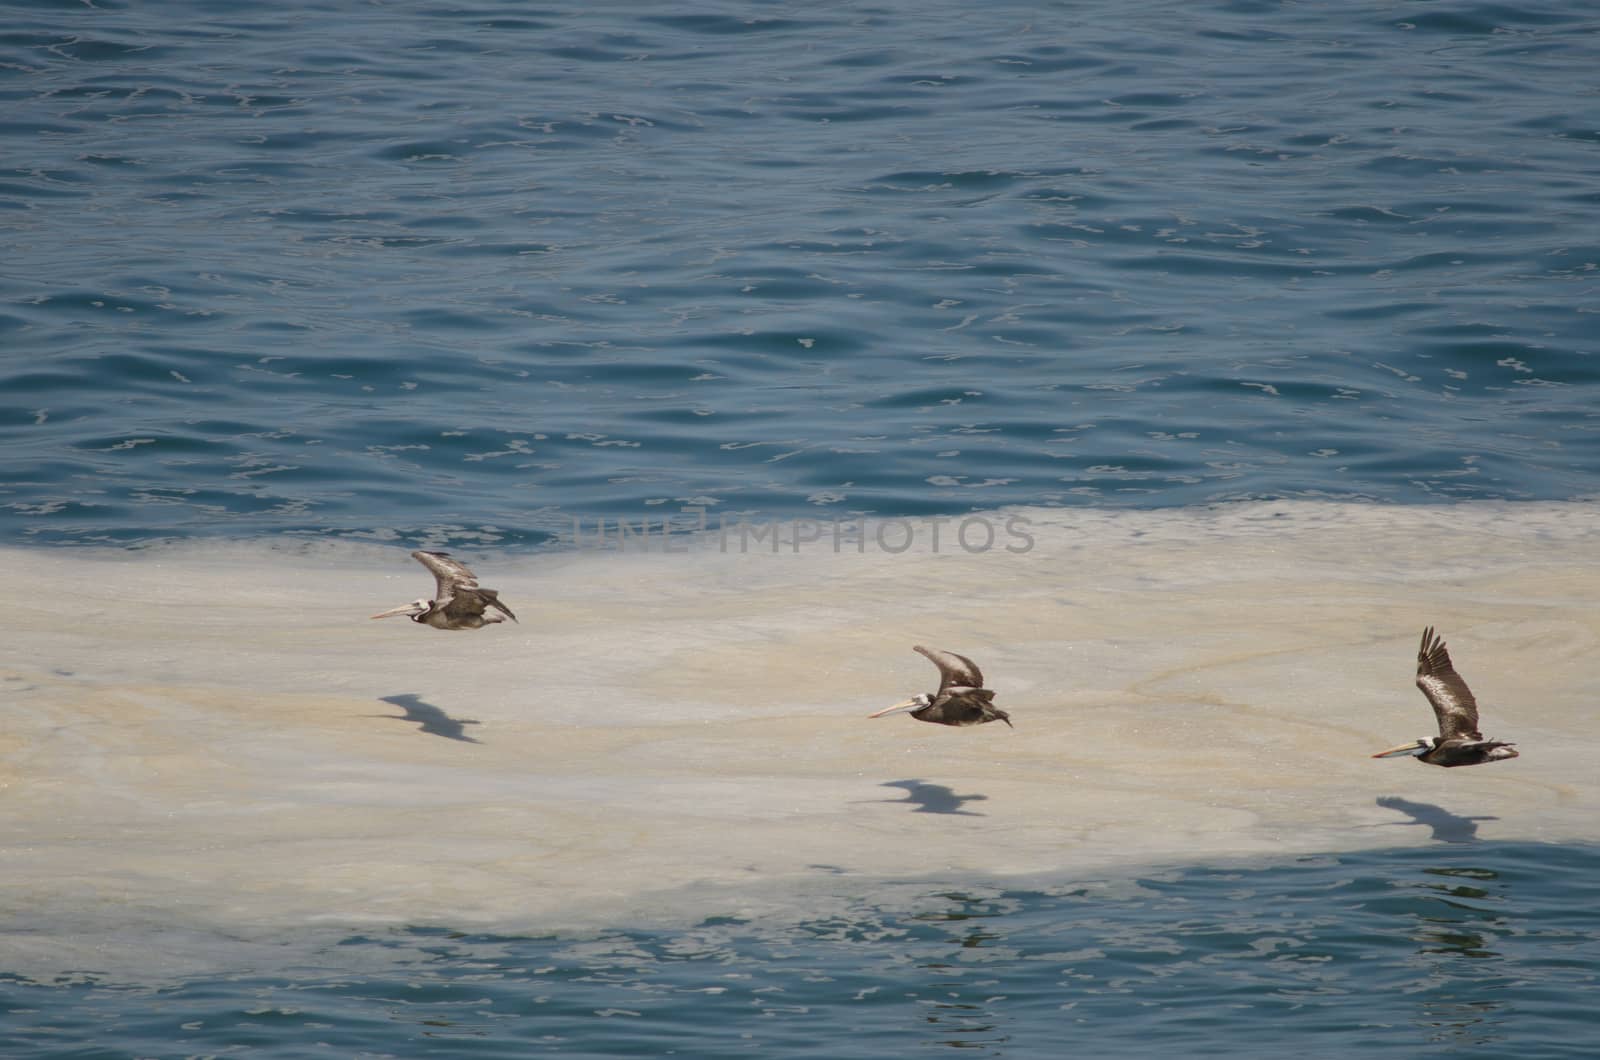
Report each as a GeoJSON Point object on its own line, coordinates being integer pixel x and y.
{"type": "Point", "coordinates": [1453, 950]}
{"type": "Point", "coordinates": [462, 274]}
{"type": "Point", "coordinates": [469, 272]}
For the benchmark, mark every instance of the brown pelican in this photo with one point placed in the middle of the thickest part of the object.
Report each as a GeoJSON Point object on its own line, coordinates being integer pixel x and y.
{"type": "Point", "coordinates": [458, 601]}
{"type": "Point", "coordinates": [1459, 742]}
{"type": "Point", "coordinates": [961, 699]}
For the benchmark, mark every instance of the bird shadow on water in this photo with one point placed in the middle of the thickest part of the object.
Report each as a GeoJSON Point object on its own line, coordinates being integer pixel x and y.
{"type": "Point", "coordinates": [933, 798]}
{"type": "Point", "coordinates": [1447, 827]}
{"type": "Point", "coordinates": [429, 718]}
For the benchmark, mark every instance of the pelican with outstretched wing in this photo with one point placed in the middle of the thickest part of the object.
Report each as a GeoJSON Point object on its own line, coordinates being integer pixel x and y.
{"type": "Point", "coordinates": [459, 602]}
{"type": "Point", "coordinates": [1459, 742]}
{"type": "Point", "coordinates": [961, 699]}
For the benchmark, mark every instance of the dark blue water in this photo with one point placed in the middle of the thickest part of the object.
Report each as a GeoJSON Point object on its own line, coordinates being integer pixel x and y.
{"type": "Point", "coordinates": [1454, 950]}
{"type": "Point", "coordinates": [463, 273]}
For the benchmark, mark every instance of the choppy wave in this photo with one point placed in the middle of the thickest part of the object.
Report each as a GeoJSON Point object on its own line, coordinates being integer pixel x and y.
{"type": "Point", "coordinates": [1484, 948]}
{"type": "Point", "coordinates": [459, 276]}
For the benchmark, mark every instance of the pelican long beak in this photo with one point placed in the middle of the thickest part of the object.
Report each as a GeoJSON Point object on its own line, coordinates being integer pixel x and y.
{"type": "Point", "coordinates": [910, 704]}
{"type": "Point", "coordinates": [403, 609]}
{"type": "Point", "coordinates": [1412, 748]}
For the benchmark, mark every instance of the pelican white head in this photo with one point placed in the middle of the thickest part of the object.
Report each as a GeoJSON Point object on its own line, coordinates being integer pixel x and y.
{"type": "Point", "coordinates": [917, 702]}
{"type": "Point", "coordinates": [414, 610]}
{"type": "Point", "coordinates": [1415, 747]}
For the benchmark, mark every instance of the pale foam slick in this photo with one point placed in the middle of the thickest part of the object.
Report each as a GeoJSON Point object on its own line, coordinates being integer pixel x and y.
{"type": "Point", "coordinates": [211, 745]}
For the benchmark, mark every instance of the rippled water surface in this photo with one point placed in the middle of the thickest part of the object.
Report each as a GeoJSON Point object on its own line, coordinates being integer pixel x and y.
{"type": "Point", "coordinates": [465, 273]}
{"type": "Point", "coordinates": [1451, 950]}
{"type": "Point", "coordinates": [468, 272]}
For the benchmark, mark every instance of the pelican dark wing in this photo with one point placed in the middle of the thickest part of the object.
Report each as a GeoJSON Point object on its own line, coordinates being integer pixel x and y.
{"type": "Point", "coordinates": [1453, 702]}
{"type": "Point", "coordinates": [961, 699]}
{"type": "Point", "coordinates": [471, 603]}
{"type": "Point", "coordinates": [963, 706]}
{"type": "Point", "coordinates": [457, 594]}
{"type": "Point", "coordinates": [955, 671]}
{"type": "Point", "coordinates": [448, 574]}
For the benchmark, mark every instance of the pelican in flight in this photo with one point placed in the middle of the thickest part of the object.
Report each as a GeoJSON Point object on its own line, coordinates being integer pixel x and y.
{"type": "Point", "coordinates": [1459, 742]}
{"type": "Point", "coordinates": [458, 601]}
{"type": "Point", "coordinates": [961, 699]}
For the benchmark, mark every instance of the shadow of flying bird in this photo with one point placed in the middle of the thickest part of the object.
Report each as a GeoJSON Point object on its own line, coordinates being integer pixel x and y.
{"type": "Point", "coordinates": [1447, 827]}
{"type": "Point", "coordinates": [933, 798]}
{"type": "Point", "coordinates": [429, 718]}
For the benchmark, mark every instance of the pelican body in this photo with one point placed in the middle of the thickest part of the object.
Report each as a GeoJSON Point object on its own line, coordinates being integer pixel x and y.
{"type": "Point", "coordinates": [459, 602]}
{"type": "Point", "coordinates": [1459, 742]}
{"type": "Point", "coordinates": [961, 699]}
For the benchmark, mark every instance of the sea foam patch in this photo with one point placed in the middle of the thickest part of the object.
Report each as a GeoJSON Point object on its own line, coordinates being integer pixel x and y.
{"type": "Point", "coordinates": [214, 742]}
